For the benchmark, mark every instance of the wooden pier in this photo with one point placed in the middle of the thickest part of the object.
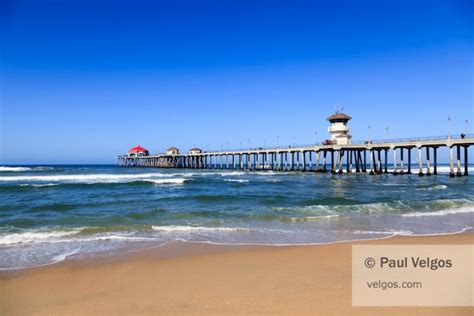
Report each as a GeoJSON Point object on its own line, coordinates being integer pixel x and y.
{"type": "Point", "coordinates": [363, 157]}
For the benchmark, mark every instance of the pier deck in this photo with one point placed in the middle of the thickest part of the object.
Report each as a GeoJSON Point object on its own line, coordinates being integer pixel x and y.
{"type": "Point", "coordinates": [300, 157]}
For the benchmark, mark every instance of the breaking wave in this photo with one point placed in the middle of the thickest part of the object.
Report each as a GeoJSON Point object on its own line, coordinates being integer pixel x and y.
{"type": "Point", "coordinates": [35, 236]}
{"type": "Point", "coordinates": [237, 180]}
{"type": "Point", "coordinates": [433, 188]}
{"type": "Point", "coordinates": [23, 169]}
{"type": "Point", "coordinates": [167, 181]}
{"type": "Point", "coordinates": [93, 178]}
{"type": "Point", "coordinates": [13, 169]}
{"type": "Point", "coordinates": [405, 208]}
{"type": "Point", "coordinates": [38, 185]}
{"type": "Point", "coordinates": [441, 212]}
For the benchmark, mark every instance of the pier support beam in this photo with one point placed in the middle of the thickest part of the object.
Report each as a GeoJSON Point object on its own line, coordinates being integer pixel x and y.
{"type": "Point", "coordinates": [317, 161]}
{"type": "Point", "coordinates": [310, 161]}
{"type": "Point", "coordinates": [333, 164]}
{"type": "Point", "coordinates": [466, 165]}
{"type": "Point", "coordinates": [324, 161]}
{"type": "Point", "coordinates": [349, 161]}
{"type": "Point", "coordinates": [358, 160]}
{"type": "Point", "coordinates": [402, 171]}
{"type": "Point", "coordinates": [409, 160]}
{"type": "Point", "coordinates": [371, 154]}
{"type": "Point", "coordinates": [458, 172]}
{"type": "Point", "coordinates": [428, 168]}
{"type": "Point", "coordinates": [435, 160]}
{"type": "Point", "coordinates": [292, 162]}
{"type": "Point", "coordinates": [364, 165]}
{"type": "Point", "coordinates": [395, 171]}
{"type": "Point", "coordinates": [451, 161]}
{"type": "Point", "coordinates": [304, 161]}
{"type": "Point", "coordinates": [340, 160]}
{"type": "Point", "coordinates": [379, 162]}
{"type": "Point", "coordinates": [420, 163]}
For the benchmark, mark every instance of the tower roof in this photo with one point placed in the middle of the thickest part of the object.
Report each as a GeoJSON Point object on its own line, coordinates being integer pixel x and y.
{"type": "Point", "coordinates": [339, 116]}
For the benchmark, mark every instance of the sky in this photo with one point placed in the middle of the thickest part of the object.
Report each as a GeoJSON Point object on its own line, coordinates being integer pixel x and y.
{"type": "Point", "coordinates": [84, 81]}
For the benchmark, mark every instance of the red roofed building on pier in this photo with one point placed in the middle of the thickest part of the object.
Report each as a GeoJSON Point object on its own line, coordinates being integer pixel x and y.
{"type": "Point", "coordinates": [138, 151]}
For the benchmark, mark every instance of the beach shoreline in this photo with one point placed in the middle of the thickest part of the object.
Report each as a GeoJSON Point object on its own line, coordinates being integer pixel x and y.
{"type": "Point", "coordinates": [193, 278]}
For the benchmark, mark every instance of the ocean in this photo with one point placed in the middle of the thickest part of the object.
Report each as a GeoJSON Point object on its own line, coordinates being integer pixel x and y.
{"type": "Point", "coordinates": [50, 213]}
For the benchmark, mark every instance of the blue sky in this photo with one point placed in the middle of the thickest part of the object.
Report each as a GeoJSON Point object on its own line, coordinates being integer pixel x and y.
{"type": "Point", "coordinates": [82, 81]}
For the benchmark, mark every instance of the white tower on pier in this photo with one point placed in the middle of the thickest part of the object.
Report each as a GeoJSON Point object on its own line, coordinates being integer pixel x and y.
{"type": "Point", "coordinates": [338, 129]}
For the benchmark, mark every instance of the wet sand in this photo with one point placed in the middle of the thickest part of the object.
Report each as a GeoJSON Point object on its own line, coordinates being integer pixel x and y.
{"type": "Point", "coordinates": [206, 279]}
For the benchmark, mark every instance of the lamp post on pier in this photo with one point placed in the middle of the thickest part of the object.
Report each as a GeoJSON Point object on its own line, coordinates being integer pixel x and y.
{"type": "Point", "coordinates": [449, 127]}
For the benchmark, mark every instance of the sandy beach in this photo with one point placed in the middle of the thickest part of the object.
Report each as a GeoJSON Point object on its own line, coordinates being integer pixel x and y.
{"type": "Point", "coordinates": [205, 279]}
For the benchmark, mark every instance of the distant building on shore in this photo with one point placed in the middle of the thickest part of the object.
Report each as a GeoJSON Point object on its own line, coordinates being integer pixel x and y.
{"type": "Point", "coordinates": [194, 151]}
{"type": "Point", "coordinates": [339, 129]}
{"type": "Point", "coordinates": [172, 151]}
{"type": "Point", "coordinates": [138, 151]}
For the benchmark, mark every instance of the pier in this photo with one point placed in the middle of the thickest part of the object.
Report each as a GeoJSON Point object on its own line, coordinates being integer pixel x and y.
{"type": "Point", "coordinates": [371, 158]}
{"type": "Point", "coordinates": [338, 155]}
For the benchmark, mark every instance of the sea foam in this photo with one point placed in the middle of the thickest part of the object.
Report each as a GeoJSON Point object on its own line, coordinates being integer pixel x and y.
{"type": "Point", "coordinates": [38, 185]}
{"type": "Point", "coordinates": [167, 181]}
{"type": "Point", "coordinates": [441, 212]}
{"type": "Point", "coordinates": [389, 232]}
{"type": "Point", "coordinates": [433, 188]}
{"type": "Point", "coordinates": [86, 178]}
{"type": "Point", "coordinates": [13, 169]}
{"type": "Point", "coordinates": [312, 218]}
{"type": "Point", "coordinates": [34, 236]}
{"type": "Point", "coordinates": [180, 228]}
{"type": "Point", "coordinates": [237, 180]}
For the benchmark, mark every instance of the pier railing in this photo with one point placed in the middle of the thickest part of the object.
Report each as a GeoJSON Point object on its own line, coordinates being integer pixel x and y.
{"type": "Point", "coordinates": [356, 142]}
{"type": "Point", "coordinates": [413, 139]}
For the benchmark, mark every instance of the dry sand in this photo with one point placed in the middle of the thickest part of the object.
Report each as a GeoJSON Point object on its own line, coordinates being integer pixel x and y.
{"type": "Point", "coordinates": [205, 279]}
